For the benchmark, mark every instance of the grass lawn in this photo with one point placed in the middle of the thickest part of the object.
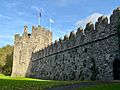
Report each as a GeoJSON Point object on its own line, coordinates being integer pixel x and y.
{"type": "Point", "coordinates": [10, 83]}
{"type": "Point", "coordinates": [112, 86]}
{"type": "Point", "coordinates": [18, 83]}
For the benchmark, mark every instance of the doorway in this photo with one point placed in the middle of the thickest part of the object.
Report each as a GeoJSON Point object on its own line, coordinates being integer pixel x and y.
{"type": "Point", "coordinates": [116, 69]}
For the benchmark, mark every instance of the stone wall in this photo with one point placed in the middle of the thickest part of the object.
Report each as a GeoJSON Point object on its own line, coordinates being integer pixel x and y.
{"type": "Point", "coordinates": [24, 46]}
{"type": "Point", "coordinates": [85, 55]}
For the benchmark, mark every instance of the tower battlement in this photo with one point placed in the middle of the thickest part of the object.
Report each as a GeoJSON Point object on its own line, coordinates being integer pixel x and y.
{"type": "Point", "coordinates": [26, 44]}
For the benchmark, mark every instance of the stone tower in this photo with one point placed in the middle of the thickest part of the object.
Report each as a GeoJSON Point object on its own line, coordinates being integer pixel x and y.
{"type": "Point", "coordinates": [24, 46]}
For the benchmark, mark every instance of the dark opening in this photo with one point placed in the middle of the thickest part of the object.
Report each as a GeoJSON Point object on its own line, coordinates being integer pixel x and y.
{"type": "Point", "coordinates": [85, 50]}
{"type": "Point", "coordinates": [116, 69]}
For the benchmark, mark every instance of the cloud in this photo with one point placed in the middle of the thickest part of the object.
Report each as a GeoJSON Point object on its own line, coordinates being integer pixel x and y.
{"type": "Point", "coordinates": [93, 17]}
{"type": "Point", "coordinates": [64, 2]}
{"type": "Point", "coordinates": [5, 17]}
{"type": "Point", "coordinates": [37, 8]}
{"type": "Point", "coordinates": [21, 13]}
{"type": "Point", "coordinates": [59, 31]}
{"type": "Point", "coordinates": [6, 37]}
{"type": "Point", "coordinates": [12, 4]}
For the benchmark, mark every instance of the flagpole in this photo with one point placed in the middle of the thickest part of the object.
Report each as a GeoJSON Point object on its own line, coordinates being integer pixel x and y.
{"type": "Point", "coordinates": [50, 25]}
{"type": "Point", "coordinates": [39, 18]}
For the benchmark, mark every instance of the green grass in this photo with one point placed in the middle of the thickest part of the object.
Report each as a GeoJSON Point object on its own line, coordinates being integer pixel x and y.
{"type": "Point", "coordinates": [112, 86]}
{"type": "Point", "coordinates": [18, 83]}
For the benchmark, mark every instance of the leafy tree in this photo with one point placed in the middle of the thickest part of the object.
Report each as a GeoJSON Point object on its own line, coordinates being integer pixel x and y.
{"type": "Point", "coordinates": [6, 58]}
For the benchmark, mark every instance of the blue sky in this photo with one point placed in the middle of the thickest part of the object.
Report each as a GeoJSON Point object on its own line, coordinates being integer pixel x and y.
{"type": "Point", "coordinates": [67, 15]}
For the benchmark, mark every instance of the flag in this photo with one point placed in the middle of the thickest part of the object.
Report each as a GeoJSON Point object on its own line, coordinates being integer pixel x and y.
{"type": "Point", "coordinates": [40, 14]}
{"type": "Point", "coordinates": [52, 21]}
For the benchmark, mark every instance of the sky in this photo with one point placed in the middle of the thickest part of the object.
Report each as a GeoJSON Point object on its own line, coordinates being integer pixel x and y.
{"type": "Point", "coordinates": [68, 15]}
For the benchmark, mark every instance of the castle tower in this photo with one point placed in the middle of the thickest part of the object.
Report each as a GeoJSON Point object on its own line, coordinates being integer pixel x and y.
{"type": "Point", "coordinates": [24, 46]}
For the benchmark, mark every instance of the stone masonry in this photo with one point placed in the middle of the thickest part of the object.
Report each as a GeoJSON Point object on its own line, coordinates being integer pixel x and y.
{"type": "Point", "coordinates": [25, 45]}
{"type": "Point", "coordinates": [89, 54]}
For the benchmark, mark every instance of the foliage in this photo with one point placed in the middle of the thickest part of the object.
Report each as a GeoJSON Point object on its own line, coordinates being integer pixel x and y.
{"type": "Point", "coordinates": [6, 58]}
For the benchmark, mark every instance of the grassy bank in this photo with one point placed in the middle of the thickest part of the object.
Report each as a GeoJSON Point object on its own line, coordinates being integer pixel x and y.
{"type": "Point", "coordinates": [10, 83]}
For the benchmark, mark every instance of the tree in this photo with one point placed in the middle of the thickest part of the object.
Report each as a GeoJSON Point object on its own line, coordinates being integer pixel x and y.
{"type": "Point", "coordinates": [6, 59]}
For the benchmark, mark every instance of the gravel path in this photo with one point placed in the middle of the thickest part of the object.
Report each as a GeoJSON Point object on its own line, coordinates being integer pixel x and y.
{"type": "Point", "coordinates": [81, 84]}
{"type": "Point", "coordinates": [73, 86]}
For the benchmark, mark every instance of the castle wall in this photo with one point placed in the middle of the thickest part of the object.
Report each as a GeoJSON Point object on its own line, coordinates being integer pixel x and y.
{"type": "Point", "coordinates": [25, 45]}
{"type": "Point", "coordinates": [83, 55]}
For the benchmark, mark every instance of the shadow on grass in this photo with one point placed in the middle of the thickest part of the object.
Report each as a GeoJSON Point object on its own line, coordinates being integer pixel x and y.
{"type": "Point", "coordinates": [14, 84]}
{"type": "Point", "coordinates": [110, 86]}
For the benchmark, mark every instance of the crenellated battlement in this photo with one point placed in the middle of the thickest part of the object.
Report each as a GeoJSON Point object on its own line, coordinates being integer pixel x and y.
{"type": "Point", "coordinates": [87, 54]}
{"type": "Point", "coordinates": [40, 29]}
{"type": "Point", "coordinates": [17, 37]}
{"type": "Point", "coordinates": [36, 32]}
{"type": "Point", "coordinates": [91, 33]}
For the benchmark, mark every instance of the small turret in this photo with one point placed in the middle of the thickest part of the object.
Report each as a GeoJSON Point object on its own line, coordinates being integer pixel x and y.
{"type": "Point", "coordinates": [25, 34]}
{"type": "Point", "coordinates": [40, 28]}
{"type": "Point", "coordinates": [25, 29]}
{"type": "Point", "coordinates": [17, 38]}
{"type": "Point", "coordinates": [33, 28]}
